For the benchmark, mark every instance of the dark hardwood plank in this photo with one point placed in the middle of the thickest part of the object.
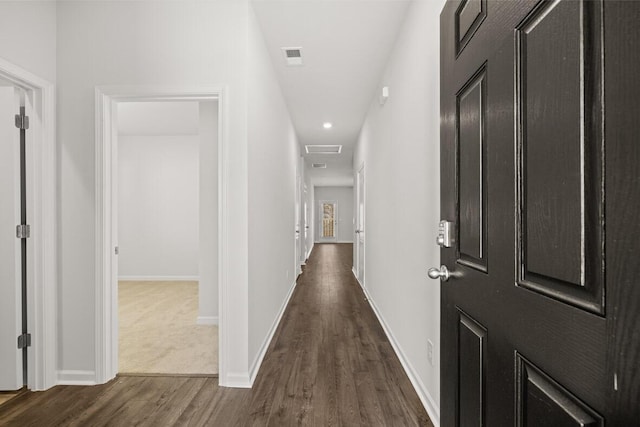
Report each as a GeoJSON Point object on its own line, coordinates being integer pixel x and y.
{"type": "Point", "coordinates": [329, 364]}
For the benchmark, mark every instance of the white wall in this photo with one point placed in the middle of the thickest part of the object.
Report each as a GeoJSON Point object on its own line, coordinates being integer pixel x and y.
{"type": "Point", "coordinates": [159, 43]}
{"type": "Point", "coordinates": [158, 207]}
{"type": "Point", "coordinates": [344, 197]}
{"type": "Point", "coordinates": [28, 36]}
{"type": "Point", "coordinates": [399, 145]}
{"type": "Point", "coordinates": [273, 159]}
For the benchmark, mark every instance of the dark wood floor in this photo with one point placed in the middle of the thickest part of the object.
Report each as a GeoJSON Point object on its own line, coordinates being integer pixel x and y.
{"type": "Point", "coordinates": [329, 364]}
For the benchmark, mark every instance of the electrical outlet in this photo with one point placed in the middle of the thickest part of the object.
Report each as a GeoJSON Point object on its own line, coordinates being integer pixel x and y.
{"type": "Point", "coordinates": [430, 352]}
{"type": "Point", "coordinates": [287, 274]}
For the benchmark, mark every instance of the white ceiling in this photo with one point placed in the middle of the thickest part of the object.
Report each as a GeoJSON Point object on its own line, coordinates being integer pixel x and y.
{"type": "Point", "coordinates": [345, 45]}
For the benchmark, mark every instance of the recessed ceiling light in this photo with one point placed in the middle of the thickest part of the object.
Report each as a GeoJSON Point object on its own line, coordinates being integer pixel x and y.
{"type": "Point", "coordinates": [327, 125]}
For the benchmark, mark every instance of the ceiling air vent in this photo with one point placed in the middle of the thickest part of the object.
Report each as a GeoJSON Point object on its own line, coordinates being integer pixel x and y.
{"type": "Point", "coordinates": [319, 165]}
{"type": "Point", "coordinates": [293, 55]}
{"type": "Point", "coordinates": [323, 149]}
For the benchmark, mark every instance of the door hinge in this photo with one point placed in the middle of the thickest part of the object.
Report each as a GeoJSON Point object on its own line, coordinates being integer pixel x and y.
{"type": "Point", "coordinates": [22, 121]}
{"type": "Point", "coordinates": [23, 231]}
{"type": "Point", "coordinates": [24, 340]}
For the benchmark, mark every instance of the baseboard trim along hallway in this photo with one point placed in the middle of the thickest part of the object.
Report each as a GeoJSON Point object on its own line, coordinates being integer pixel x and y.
{"type": "Point", "coordinates": [255, 366]}
{"type": "Point", "coordinates": [424, 395]}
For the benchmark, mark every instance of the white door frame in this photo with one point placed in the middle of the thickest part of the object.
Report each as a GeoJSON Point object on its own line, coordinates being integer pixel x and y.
{"type": "Point", "coordinates": [321, 238]}
{"type": "Point", "coordinates": [107, 98]}
{"type": "Point", "coordinates": [42, 216]}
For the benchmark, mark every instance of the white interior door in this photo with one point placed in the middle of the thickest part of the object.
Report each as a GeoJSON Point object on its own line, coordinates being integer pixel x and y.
{"type": "Point", "coordinates": [299, 246]}
{"type": "Point", "coordinates": [360, 225]}
{"type": "Point", "coordinates": [11, 368]}
{"type": "Point", "coordinates": [112, 264]}
{"type": "Point", "coordinates": [328, 218]}
{"type": "Point", "coordinates": [305, 217]}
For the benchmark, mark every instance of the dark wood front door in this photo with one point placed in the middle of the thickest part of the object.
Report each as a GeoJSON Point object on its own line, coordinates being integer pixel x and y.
{"type": "Point", "coordinates": [540, 169]}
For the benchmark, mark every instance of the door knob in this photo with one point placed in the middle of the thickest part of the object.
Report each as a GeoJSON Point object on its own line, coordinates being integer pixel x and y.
{"type": "Point", "coordinates": [441, 273]}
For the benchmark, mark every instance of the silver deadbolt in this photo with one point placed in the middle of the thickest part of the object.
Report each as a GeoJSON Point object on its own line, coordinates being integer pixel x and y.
{"type": "Point", "coordinates": [445, 236]}
{"type": "Point", "coordinates": [442, 273]}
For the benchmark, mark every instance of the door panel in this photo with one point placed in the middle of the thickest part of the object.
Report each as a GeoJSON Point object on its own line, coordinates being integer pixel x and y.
{"type": "Point", "coordinates": [10, 247]}
{"type": "Point", "coordinates": [560, 152]}
{"type": "Point", "coordinates": [527, 335]}
{"type": "Point", "coordinates": [472, 357]}
{"type": "Point", "coordinates": [299, 246]}
{"type": "Point", "coordinates": [469, 16]}
{"type": "Point", "coordinates": [305, 220]}
{"type": "Point", "coordinates": [543, 402]}
{"type": "Point", "coordinates": [471, 179]}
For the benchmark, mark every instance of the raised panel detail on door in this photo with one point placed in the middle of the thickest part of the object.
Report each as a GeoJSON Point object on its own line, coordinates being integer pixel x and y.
{"type": "Point", "coordinates": [468, 18]}
{"type": "Point", "coordinates": [560, 153]}
{"type": "Point", "coordinates": [471, 187]}
{"type": "Point", "coordinates": [471, 371]}
{"type": "Point", "coordinates": [543, 402]}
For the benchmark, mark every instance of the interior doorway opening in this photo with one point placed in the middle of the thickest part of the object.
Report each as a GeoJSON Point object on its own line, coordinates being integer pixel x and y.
{"type": "Point", "coordinates": [328, 220]}
{"type": "Point", "coordinates": [166, 232]}
{"type": "Point", "coordinates": [214, 262]}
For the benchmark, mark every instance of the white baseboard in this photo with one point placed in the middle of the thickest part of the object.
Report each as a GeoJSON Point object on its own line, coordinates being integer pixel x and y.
{"type": "Point", "coordinates": [207, 320]}
{"type": "Point", "coordinates": [310, 249]}
{"type": "Point", "coordinates": [257, 362]}
{"type": "Point", "coordinates": [425, 397]}
{"type": "Point", "coordinates": [345, 241]}
{"type": "Point", "coordinates": [237, 380]}
{"type": "Point", "coordinates": [160, 278]}
{"type": "Point", "coordinates": [76, 378]}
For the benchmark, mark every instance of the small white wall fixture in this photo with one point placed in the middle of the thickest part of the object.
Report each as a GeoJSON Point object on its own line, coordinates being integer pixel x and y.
{"type": "Point", "coordinates": [107, 99]}
{"type": "Point", "coordinates": [41, 215]}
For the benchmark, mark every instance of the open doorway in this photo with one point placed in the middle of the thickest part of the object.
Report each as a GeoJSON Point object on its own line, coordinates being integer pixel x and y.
{"type": "Point", "coordinates": [335, 222]}
{"type": "Point", "coordinates": [166, 230]}
{"type": "Point", "coordinates": [212, 222]}
{"type": "Point", "coordinates": [328, 215]}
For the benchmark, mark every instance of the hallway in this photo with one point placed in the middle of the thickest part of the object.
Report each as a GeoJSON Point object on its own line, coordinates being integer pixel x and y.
{"type": "Point", "coordinates": [329, 363]}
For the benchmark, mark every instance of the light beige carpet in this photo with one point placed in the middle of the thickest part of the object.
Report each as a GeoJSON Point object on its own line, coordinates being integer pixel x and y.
{"type": "Point", "coordinates": [158, 332]}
